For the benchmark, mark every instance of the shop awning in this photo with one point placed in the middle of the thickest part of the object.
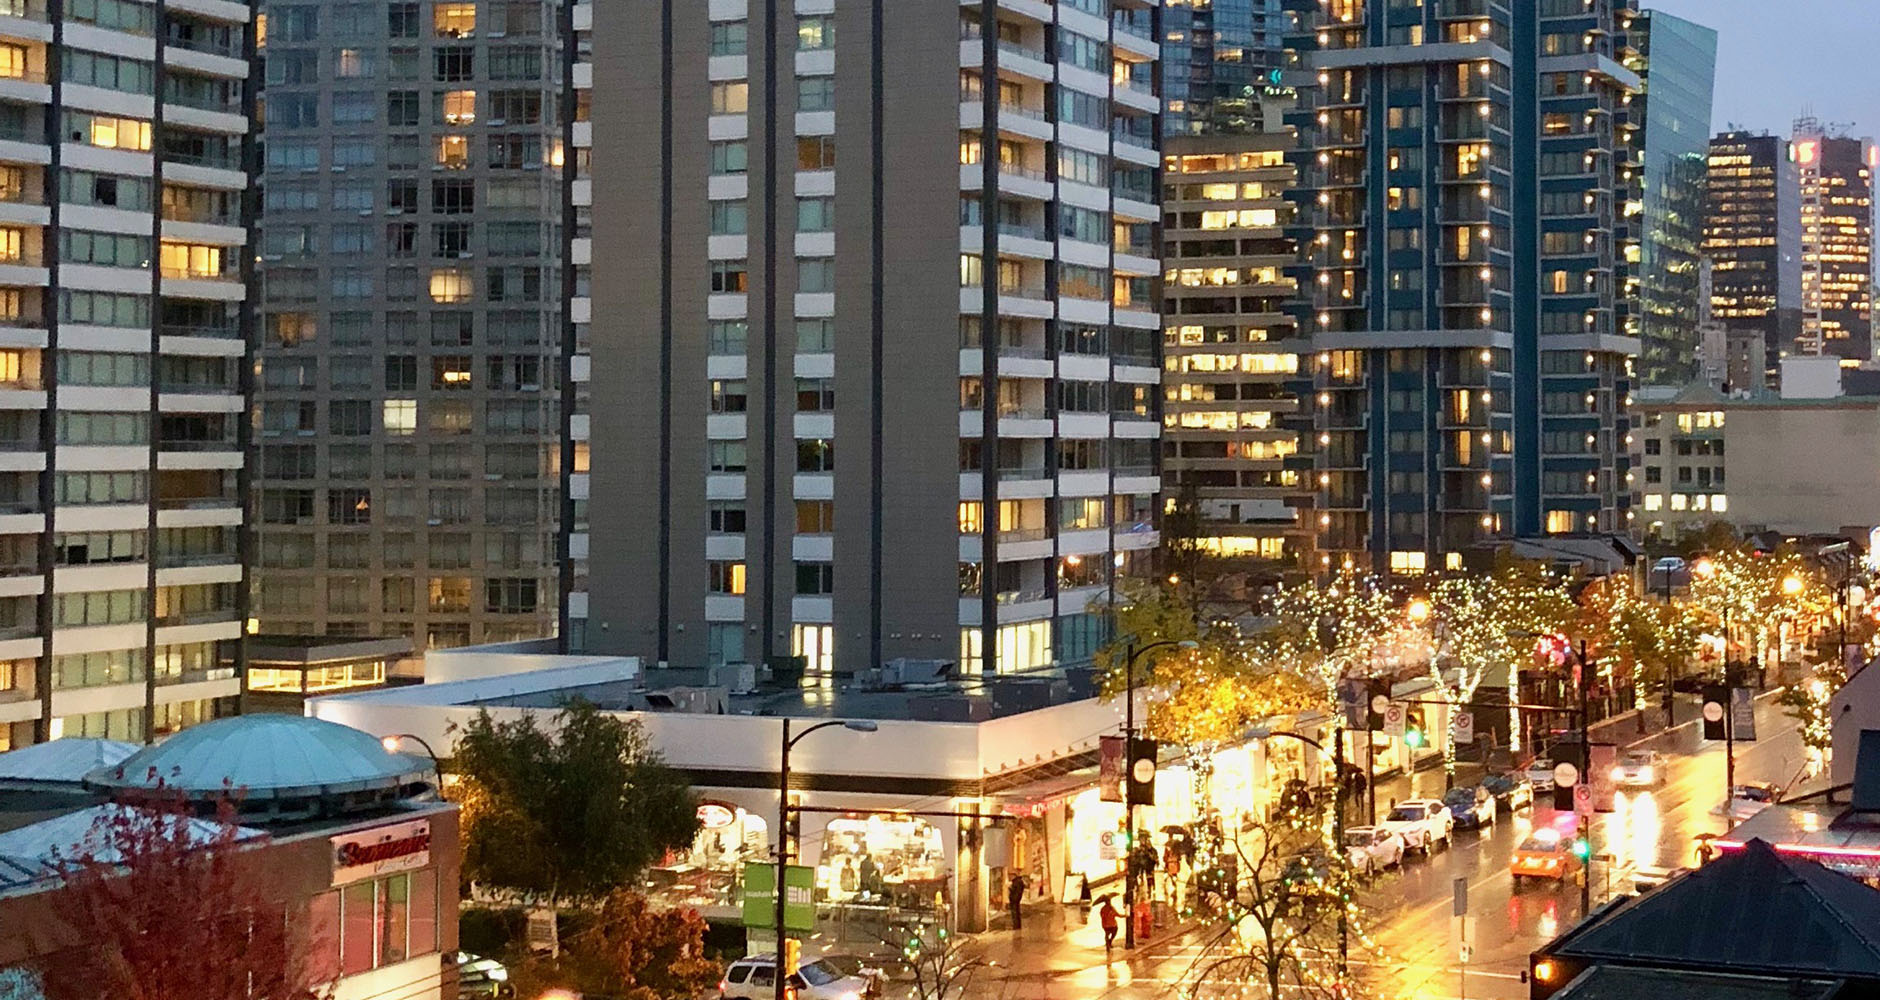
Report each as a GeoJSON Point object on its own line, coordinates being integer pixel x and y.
{"type": "Point", "coordinates": [1035, 797]}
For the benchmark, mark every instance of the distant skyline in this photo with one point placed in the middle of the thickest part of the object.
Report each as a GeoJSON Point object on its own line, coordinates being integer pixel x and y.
{"type": "Point", "coordinates": [1775, 60]}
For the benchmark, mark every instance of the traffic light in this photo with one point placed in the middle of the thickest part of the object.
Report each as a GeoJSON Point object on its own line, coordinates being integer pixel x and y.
{"type": "Point", "coordinates": [792, 827]}
{"type": "Point", "coordinates": [1582, 848]}
{"type": "Point", "coordinates": [1414, 735]}
{"type": "Point", "coordinates": [792, 955]}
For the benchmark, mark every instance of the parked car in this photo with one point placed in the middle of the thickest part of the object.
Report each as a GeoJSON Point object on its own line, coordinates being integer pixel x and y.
{"type": "Point", "coordinates": [1540, 774]}
{"type": "Point", "coordinates": [1546, 854]}
{"type": "Point", "coordinates": [754, 977]}
{"type": "Point", "coordinates": [1512, 789]}
{"type": "Point", "coordinates": [1422, 823]}
{"type": "Point", "coordinates": [482, 977]}
{"type": "Point", "coordinates": [1748, 800]}
{"type": "Point", "coordinates": [1640, 769]}
{"type": "Point", "coordinates": [1372, 850]}
{"type": "Point", "coordinates": [1472, 806]}
{"type": "Point", "coordinates": [870, 970]}
{"type": "Point", "coordinates": [1307, 880]}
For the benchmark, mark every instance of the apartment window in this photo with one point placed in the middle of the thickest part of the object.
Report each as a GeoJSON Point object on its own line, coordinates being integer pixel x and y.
{"type": "Point", "coordinates": [454, 20]}
{"type": "Point", "coordinates": [725, 577]}
{"type": "Point", "coordinates": [730, 157]}
{"type": "Point", "coordinates": [815, 33]}
{"type": "Point", "coordinates": [815, 152]}
{"type": "Point", "coordinates": [401, 20]}
{"type": "Point", "coordinates": [728, 396]}
{"type": "Point", "coordinates": [725, 456]}
{"type": "Point", "coordinates": [455, 107]}
{"type": "Point", "coordinates": [108, 132]}
{"type": "Point", "coordinates": [815, 578]}
{"type": "Point", "coordinates": [450, 371]}
{"type": "Point", "coordinates": [815, 455]}
{"type": "Point", "coordinates": [451, 284]}
{"type": "Point", "coordinates": [815, 93]}
{"type": "Point", "coordinates": [815, 395]}
{"type": "Point", "coordinates": [815, 215]}
{"type": "Point", "coordinates": [400, 416]}
{"type": "Point", "coordinates": [727, 336]}
{"type": "Point", "coordinates": [815, 275]}
{"type": "Point", "coordinates": [728, 38]}
{"type": "Point", "coordinates": [401, 108]}
{"type": "Point", "coordinates": [287, 506]}
{"type": "Point", "coordinates": [815, 335]}
{"type": "Point", "coordinates": [726, 517]}
{"type": "Point", "coordinates": [728, 275]}
{"type": "Point", "coordinates": [509, 596]}
{"type": "Point", "coordinates": [729, 218]}
{"type": "Point", "coordinates": [730, 97]}
{"type": "Point", "coordinates": [815, 517]}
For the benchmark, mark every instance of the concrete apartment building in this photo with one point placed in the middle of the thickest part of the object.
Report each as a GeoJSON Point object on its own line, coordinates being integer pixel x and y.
{"type": "Point", "coordinates": [123, 365]}
{"type": "Point", "coordinates": [410, 432]}
{"type": "Point", "coordinates": [1758, 460]}
{"type": "Point", "coordinates": [1229, 361]}
{"type": "Point", "coordinates": [1836, 183]}
{"type": "Point", "coordinates": [1753, 239]}
{"type": "Point", "coordinates": [903, 406]}
{"type": "Point", "coordinates": [1464, 171]}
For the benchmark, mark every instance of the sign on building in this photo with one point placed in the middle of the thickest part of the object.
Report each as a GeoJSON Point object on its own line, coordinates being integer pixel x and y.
{"type": "Point", "coordinates": [382, 850]}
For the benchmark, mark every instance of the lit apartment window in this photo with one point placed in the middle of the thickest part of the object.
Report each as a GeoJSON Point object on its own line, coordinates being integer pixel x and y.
{"type": "Point", "coordinates": [450, 285]}
{"type": "Point", "coordinates": [1408, 562]}
{"type": "Point", "coordinates": [455, 20]}
{"type": "Point", "coordinates": [12, 183]}
{"type": "Point", "coordinates": [189, 260]}
{"type": "Point", "coordinates": [401, 416]}
{"type": "Point", "coordinates": [113, 133]}
{"type": "Point", "coordinates": [1560, 522]}
{"type": "Point", "coordinates": [12, 59]}
{"type": "Point", "coordinates": [12, 243]}
{"type": "Point", "coordinates": [1654, 501]}
{"type": "Point", "coordinates": [453, 151]}
{"type": "Point", "coordinates": [460, 107]}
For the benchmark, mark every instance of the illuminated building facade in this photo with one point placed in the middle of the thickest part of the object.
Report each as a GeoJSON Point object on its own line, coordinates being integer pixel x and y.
{"type": "Point", "coordinates": [1215, 57]}
{"type": "Point", "coordinates": [1230, 344]}
{"type": "Point", "coordinates": [1753, 239]}
{"type": "Point", "coordinates": [1464, 270]}
{"type": "Point", "coordinates": [1837, 242]}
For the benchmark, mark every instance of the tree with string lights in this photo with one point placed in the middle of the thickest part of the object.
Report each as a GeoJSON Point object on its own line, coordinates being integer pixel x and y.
{"type": "Point", "coordinates": [1481, 625]}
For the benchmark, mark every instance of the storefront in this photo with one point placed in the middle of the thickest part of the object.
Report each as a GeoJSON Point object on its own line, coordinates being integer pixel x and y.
{"type": "Point", "coordinates": [883, 858]}
{"type": "Point", "coordinates": [707, 876]}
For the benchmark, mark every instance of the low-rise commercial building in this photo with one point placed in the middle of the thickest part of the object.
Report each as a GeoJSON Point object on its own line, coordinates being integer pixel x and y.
{"type": "Point", "coordinates": [358, 850]}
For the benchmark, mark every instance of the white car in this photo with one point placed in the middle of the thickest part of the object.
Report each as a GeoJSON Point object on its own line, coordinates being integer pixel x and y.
{"type": "Point", "coordinates": [1371, 850]}
{"type": "Point", "coordinates": [1640, 769]}
{"type": "Point", "coordinates": [1421, 823]}
{"type": "Point", "coordinates": [1540, 774]}
{"type": "Point", "coordinates": [754, 977]}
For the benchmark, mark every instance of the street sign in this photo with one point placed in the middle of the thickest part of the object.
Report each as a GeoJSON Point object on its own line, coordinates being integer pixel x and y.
{"type": "Point", "coordinates": [1467, 952]}
{"type": "Point", "coordinates": [1565, 774]}
{"type": "Point", "coordinates": [1743, 715]}
{"type": "Point", "coordinates": [541, 932]}
{"type": "Point", "coordinates": [1464, 728]}
{"type": "Point", "coordinates": [1393, 720]}
{"type": "Point", "coordinates": [1380, 704]}
{"type": "Point", "coordinates": [1110, 845]}
{"type": "Point", "coordinates": [1605, 789]}
{"type": "Point", "coordinates": [1110, 769]}
{"type": "Point", "coordinates": [799, 899]}
{"type": "Point", "coordinates": [1583, 799]}
{"type": "Point", "coordinates": [1459, 905]}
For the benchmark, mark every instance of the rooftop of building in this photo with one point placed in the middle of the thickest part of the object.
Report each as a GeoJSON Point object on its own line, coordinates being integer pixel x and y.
{"type": "Point", "coordinates": [1613, 982]}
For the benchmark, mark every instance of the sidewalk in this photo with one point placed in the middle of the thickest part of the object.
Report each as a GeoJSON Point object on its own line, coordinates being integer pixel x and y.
{"type": "Point", "coordinates": [1057, 940]}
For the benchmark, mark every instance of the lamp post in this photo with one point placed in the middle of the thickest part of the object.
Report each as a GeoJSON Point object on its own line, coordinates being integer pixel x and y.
{"type": "Point", "coordinates": [1671, 671]}
{"type": "Point", "coordinates": [1129, 762]}
{"type": "Point", "coordinates": [783, 824]}
{"type": "Point", "coordinates": [390, 743]}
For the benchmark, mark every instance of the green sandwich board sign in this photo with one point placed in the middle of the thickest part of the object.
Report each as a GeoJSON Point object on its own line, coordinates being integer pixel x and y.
{"type": "Point", "coordinates": [799, 900]}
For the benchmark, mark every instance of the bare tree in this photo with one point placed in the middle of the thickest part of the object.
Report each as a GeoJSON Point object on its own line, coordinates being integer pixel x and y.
{"type": "Point", "coordinates": [942, 965]}
{"type": "Point", "coordinates": [1282, 924]}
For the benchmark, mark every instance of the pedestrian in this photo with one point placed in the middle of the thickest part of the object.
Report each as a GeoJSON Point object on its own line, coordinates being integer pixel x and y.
{"type": "Point", "coordinates": [1014, 897]}
{"type": "Point", "coordinates": [1107, 918]}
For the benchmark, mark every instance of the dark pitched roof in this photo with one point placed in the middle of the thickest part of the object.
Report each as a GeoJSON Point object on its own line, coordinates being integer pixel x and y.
{"type": "Point", "coordinates": [1867, 772]}
{"type": "Point", "coordinates": [1616, 982]}
{"type": "Point", "coordinates": [1753, 909]}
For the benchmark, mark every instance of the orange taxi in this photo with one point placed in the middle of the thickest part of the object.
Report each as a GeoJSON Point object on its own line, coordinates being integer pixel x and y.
{"type": "Point", "coordinates": [1545, 854]}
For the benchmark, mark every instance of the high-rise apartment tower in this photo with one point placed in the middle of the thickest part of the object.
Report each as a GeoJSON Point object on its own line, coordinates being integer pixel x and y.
{"type": "Point", "coordinates": [124, 213]}
{"type": "Point", "coordinates": [875, 329]}
{"type": "Point", "coordinates": [1837, 241]}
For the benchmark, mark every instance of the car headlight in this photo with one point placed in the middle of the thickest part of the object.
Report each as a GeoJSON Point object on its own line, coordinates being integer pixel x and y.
{"type": "Point", "coordinates": [1644, 774]}
{"type": "Point", "coordinates": [1618, 774]}
{"type": "Point", "coordinates": [499, 974]}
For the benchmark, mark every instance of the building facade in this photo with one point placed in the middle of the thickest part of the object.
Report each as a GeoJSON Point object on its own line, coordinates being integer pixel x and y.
{"type": "Point", "coordinates": [1216, 57]}
{"type": "Point", "coordinates": [903, 407]}
{"type": "Point", "coordinates": [1464, 266]}
{"type": "Point", "coordinates": [1229, 362]}
{"type": "Point", "coordinates": [124, 367]}
{"type": "Point", "coordinates": [1678, 63]}
{"type": "Point", "coordinates": [1836, 181]}
{"type": "Point", "coordinates": [1753, 238]}
{"type": "Point", "coordinates": [411, 352]}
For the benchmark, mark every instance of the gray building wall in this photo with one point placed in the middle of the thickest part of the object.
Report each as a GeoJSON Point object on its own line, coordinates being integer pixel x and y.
{"type": "Point", "coordinates": [411, 259]}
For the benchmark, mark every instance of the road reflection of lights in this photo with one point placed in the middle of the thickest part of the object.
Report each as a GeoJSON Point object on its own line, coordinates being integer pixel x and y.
{"type": "Point", "coordinates": [1633, 828]}
{"type": "Point", "coordinates": [1550, 920]}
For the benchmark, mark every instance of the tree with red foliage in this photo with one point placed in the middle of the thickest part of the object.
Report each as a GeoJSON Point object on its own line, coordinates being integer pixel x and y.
{"type": "Point", "coordinates": [161, 904]}
{"type": "Point", "coordinates": [632, 950]}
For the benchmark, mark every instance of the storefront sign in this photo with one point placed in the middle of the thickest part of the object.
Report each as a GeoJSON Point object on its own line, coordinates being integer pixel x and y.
{"type": "Point", "coordinates": [401, 847]}
{"type": "Point", "coordinates": [799, 898]}
{"type": "Point", "coordinates": [716, 815]}
{"type": "Point", "coordinates": [1110, 769]}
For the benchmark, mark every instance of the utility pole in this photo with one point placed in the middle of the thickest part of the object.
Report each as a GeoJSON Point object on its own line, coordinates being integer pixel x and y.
{"type": "Point", "coordinates": [1129, 799]}
{"type": "Point", "coordinates": [1338, 837]}
{"type": "Point", "coordinates": [1586, 778]}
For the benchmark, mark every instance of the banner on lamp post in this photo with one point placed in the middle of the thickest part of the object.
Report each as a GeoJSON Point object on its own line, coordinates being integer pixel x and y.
{"type": "Point", "coordinates": [1743, 714]}
{"type": "Point", "coordinates": [1110, 769]}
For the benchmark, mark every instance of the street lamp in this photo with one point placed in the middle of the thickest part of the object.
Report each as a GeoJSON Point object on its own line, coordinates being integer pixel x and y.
{"type": "Point", "coordinates": [1133, 653]}
{"type": "Point", "coordinates": [390, 743]}
{"type": "Point", "coordinates": [783, 823]}
{"type": "Point", "coordinates": [1418, 610]}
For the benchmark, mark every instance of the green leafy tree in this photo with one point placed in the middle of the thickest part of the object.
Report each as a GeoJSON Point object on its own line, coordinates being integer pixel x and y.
{"type": "Point", "coordinates": [568, 812]}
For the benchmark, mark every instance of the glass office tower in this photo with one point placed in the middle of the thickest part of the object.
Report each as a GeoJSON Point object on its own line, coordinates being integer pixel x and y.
{"type": "Point", "coordinates": [1678, 64]}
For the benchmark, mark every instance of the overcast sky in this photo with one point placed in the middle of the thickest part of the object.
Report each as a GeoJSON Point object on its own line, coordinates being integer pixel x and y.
{"type": "Point", "coordinates": [1776, 56]}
